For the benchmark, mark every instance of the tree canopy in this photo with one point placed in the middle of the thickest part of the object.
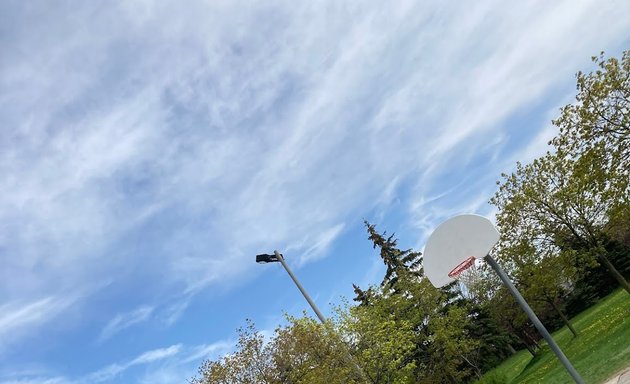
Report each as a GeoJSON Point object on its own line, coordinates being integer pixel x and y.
{"type": "Point", "coordinates": [562, 202]}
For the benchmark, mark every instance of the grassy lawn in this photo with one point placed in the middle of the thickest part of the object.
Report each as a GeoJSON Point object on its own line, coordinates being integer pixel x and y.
{"type": "Point", "coordinates": [601, 348]}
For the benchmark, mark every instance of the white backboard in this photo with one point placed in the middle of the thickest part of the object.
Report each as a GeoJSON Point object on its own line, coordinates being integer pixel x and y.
{"type": "Point", "coordinates": [454, 241]}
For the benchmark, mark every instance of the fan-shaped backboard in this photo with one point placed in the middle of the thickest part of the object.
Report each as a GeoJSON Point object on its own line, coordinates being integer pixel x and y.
{"type": "Point", "coordinates": [454, 241]}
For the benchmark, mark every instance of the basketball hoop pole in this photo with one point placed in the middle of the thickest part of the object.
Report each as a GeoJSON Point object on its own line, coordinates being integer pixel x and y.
{"type": "Point", "coordinates": [532, 316]}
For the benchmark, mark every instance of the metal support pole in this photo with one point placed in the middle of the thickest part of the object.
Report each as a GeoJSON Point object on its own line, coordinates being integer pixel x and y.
{"type": "Point", "coordinates": [321, 317]}
{"type": "Point", "coordinates": [295, 280]}
{"type": "Point", "coordinates": [532, 316]}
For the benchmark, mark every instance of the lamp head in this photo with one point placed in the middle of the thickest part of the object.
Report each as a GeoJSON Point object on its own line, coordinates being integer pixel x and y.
{"type": "Point", "coordinates": [265, 258]}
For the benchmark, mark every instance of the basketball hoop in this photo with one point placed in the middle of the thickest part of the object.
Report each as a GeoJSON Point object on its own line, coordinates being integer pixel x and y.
{"type": "Point", "coordinates": [457, 241]}
{"type": "Point", "coordinates": [452, 248]}
{"type": "Point", "coordinates": [466, 273]}
{"type": "Point", "coordinates": [461, 267]}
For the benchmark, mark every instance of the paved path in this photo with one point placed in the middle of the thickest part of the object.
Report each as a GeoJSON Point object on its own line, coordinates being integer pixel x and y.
{"type": "Point", "coordinates": [622, 377]}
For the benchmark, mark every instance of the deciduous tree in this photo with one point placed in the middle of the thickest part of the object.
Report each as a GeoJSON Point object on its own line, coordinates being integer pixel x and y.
{"type": "Point", "coordinates": [553, 197]}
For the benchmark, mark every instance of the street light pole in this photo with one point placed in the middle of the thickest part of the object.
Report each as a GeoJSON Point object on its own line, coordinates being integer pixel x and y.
{"type": "Point", "coordinates": [300, 287]}
{"type": "Point", "coordinates": [277, 256]}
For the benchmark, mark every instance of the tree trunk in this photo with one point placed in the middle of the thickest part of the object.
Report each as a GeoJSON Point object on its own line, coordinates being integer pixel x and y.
{"type": "Point", "coordinates": [474, 367]}
{"type": "Point", "coordinates": [563, 317]}
{"type": "Point", "coordinates": [527, 342]}
{"type": "Point", "coordinates": [530, 349]}
{"type": "Point", "coordinates": [511, 348]}
{"type": "Point", "coordinates": [614, 272]}
{"type": "Point", "coordinates": [531, 338]}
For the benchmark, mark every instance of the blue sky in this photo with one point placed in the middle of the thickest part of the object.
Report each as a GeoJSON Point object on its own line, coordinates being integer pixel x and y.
{"type": "Point", "coordinates": [148, 150]}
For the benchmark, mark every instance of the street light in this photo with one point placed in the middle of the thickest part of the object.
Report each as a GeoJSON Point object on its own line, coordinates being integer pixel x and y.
{"type": "Point", "coordinates": [264, 258]}
{"type": "Point", "coordinates": [277, 256]}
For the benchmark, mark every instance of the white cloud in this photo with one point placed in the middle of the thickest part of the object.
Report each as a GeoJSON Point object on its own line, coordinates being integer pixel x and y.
{"type": "Point", "coordinates": [36, 380]}
{"type": "Point", "coordinates": [125, 320]}
{"type": "Point", "coordinates": [18, 318]}
{"type": "Point", "coordinates": [186, 363]}
{"type": "Point", "coordinates": [164, 365]}
{"type": "Point", "coordinates": [539, 144]}
{"type": "Point", "coordinates": [182, 366]}
{"type": "Point", "coordinates": [315, 245]}
{"type": "Point", "coordinates": [109, 372]}
{"type": "Point", "coordinates": [15, 315]}
{"type": "Point", "coordinates": [208, 351]}
{"type": "Point", "coordinates": [172, 312]}
{"type": "Point", "coordinates": [156, 354]}
{"type": "Point", "coordinates": [524, 56]}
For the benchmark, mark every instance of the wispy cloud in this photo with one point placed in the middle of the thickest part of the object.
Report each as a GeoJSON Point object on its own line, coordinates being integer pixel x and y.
{"type": "Point", "coordinates": [502, 83]}
{"type": "Point", "coordinates": [172, 312]}
{"type": "Point", "coordinates": [15, 315]}
{"type": "Point", "coordinates": [208, 351]}
{"type": "Point", "coordinates": [18, 318]}
{"type": "Point", "coordinates": [109, 372]}
{"type": "Point", "coordinates": [125, 320]}
{"type": "Point", "coordinates": [36, 380]}
{"type": "Point", "coordinates": [315, 245]}
{"type": "Point", "coordinates": [175, 127]}
{"type": "Point", "coordinates": [170, 364]}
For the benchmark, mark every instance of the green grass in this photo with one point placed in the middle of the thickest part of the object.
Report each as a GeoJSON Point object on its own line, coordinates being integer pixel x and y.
{"type": "Point", "coordinates": [601, 348]}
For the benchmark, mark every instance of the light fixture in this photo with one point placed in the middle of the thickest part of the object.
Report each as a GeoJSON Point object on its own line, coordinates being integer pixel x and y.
{"type": "Point", "coordinates": [266, 258]}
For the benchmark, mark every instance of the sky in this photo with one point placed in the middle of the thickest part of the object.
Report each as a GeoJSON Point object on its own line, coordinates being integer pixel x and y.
{"type": "Point", "coordinates": [150, 149]}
